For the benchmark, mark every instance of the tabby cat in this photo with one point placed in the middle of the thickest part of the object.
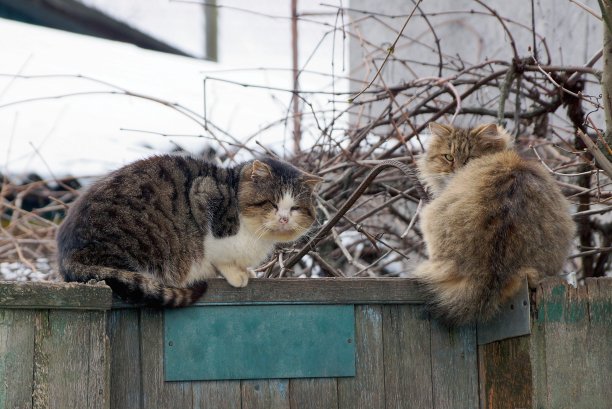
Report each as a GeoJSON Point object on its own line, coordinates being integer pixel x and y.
{"type": "Point", "coordinates": [495, 219]}
{"type": "Point", "coordinates": [155, 229]}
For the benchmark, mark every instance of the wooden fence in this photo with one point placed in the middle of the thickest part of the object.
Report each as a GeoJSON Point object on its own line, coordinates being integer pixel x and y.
{"type": "Point", "coordinates": [65, 346]}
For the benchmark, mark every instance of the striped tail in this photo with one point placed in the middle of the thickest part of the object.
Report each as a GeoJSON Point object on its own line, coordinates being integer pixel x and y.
{"type": "Point", "coordinates": [138, 288]}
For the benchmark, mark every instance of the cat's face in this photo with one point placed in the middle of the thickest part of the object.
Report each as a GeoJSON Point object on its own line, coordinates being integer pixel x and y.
{"type": "Point", "coordinates": [276, 200]}
{"type": "Point", "coordinates": [452, 148]}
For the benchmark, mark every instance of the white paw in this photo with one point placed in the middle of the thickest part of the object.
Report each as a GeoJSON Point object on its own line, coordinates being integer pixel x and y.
{"type": "Point", "coordinates": [237, 278]}
{"type": "Point", "coordinates": [251, 272]}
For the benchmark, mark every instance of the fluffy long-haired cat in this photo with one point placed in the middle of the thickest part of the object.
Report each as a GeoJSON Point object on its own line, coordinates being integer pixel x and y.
{"type": "Point", "coordinates": [495, 219]}
{"type": "Point", "coordinates": [155, 229]}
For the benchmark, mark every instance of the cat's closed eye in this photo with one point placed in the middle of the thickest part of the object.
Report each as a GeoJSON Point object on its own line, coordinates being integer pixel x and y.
{"type": "Point", "coordinates": [264, 203]}
{"type": "Point", "coordinates": [295, 208]}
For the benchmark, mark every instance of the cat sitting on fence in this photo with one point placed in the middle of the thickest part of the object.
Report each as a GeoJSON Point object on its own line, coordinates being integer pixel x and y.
{"type": "Point", "coordinates": [494, 221]}
{"type": "Point", "coordinates": [155, 229]}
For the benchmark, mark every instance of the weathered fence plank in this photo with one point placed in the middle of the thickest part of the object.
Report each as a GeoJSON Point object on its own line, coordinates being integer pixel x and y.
{"type": "Point", "coordinates": [305, 291]}
{"type": "Point", "coordinates": [16, 358]}
{"type": "Point", "coordinates": [313, 393]}
{"type": "Point", "coordinates": [67, 372]}
{"type": "Point", "coordinates": [216, 394]}
{"type": "Point", "coordinates": [407, 357]}
{"type": "Point", "coordinates": [98, 381]}
{"type": "Point", "coordinates": [53, 349]}
{"type": "Point", "coordinates": [454, 367]}
{"type": "Point", "coordinates": [66, 347]}
{"type": "Point", "coordinates": [577, 344]}
{"type": "Point", "coordinates": [124, 334]}
{"type": "Point", "coordinates": [155, 392]}
{"type": "Point", "coordinates": [367, 389]}
{"type": "Point", "coordinates": [537, 352]}
{"type": "Point", "coordinates": [41, 376]}
{"type": "Point", "coordinates": [599, 354]}
{"type": "Point", "coordinates": [505, 374]}
{"type": "Point", "coordinates": [265, 394]}
{"type": "Point", "coordinates": [45, 295]}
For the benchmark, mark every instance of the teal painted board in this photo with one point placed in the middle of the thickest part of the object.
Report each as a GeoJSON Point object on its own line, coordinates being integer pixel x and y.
{"type": "Point", "coordinates": [259, 342]}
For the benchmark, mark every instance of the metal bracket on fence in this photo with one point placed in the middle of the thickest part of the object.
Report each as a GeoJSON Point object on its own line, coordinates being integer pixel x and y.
{"type": "Point", "coordinates": [513, 319]}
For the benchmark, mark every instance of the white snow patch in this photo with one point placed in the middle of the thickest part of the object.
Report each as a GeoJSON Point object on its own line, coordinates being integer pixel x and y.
{"type": "Point", "coordinates": [90, 132]}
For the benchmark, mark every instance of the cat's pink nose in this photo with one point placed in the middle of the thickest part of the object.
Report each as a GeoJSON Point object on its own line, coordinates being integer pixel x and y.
{"type": "Point", "coordinates": [283, 220]}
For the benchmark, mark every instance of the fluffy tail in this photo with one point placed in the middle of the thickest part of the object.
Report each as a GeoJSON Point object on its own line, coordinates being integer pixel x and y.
{"type": "Point", "coordinates": [135, 287]}
{"type": "Point", "coordinates": [459, 299]}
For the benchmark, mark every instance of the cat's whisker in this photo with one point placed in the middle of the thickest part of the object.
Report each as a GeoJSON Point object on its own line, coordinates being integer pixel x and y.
{"type": "Point", "coordinates": [261, 231]}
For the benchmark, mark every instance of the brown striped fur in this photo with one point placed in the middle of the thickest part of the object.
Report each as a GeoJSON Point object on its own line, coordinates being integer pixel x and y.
{"type": "Point", "coordinates": [495, 220]}
{"type": "Point", "coordinates": [155, 229]}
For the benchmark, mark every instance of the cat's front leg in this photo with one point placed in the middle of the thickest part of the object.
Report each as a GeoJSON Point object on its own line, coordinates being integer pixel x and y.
{"type": "Point", "coordinates": [235, 276]}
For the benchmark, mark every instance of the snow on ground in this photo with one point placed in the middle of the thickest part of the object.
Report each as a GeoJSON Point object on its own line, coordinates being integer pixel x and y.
{"type": "Point", "coordinates": [94, 132]}
{"type": "Point", "coordinates": [18, 271]}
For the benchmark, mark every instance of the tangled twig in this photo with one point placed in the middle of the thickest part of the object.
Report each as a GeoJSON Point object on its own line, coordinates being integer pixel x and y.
{"type": "Point", "coordinates": [408, 172]}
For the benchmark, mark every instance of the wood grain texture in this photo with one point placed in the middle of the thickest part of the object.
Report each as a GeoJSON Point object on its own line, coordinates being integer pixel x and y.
{"type": "Point", "coordinates": [216, 394]}
{"type": "Point", "coordinates": [265, 394]}
{"type": "Point", "coordinates": [16, 358]}
{"type": "Point", "coordinates": [313, 393]}
{"type": "Point", "coordinates": [306, 291]}
{"type": "Point", "coordinates": [125, 366]}
{"type": "Point", "coordinates": [454, 367]}
{"type": "Point", "coordinates": [566, 346]}
{"type": "Point", "coordinates": [537, 351]}
{"type": "Point", "coordinates": [577, 335]}
{"type": "Point", "coordinates": [599, 353]}
{"type": "Point", "coordinates": [41, 376]}
{"type": "Point", "coordinates": [68, 350]}
{"type": "Point", "coordinates": [98, 381]}
{"type": "Point", "coordinates": [505, 374]}
{"type": "Point", "coordinates": [45, 295]}
{"type": "Point", "coordinates": [407, 357]}
{"type": "Point", "coordinates": [70, 363]}
{"type": "Point", "coordinates": [366, 390]}
{"type": "Point", "coordinates": [155, 392]}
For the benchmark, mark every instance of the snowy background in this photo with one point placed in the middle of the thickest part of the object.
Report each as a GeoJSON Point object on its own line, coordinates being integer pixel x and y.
{"type": "Point", "coordinates": [64, 112]}
{"type": "Point", "coordinates": [88, 131]}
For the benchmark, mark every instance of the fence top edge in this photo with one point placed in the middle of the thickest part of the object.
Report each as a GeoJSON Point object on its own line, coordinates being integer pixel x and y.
{"type": "Point", "coordinates": [54, 295]}
{"type": "Point", "coordinates": [61, 295]}
{"type": "Point", "coordinates": [308, 291]}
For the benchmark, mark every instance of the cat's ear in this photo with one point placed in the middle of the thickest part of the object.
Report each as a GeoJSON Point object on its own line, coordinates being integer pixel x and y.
{"type": "Point", "coordinates": [312, 180]}
{"type": "Point", "coordinates": [486, 131]}
{"type": "Point", "coordinates": [260, 170]}
{"type": "Point", "coordinates": [440, 130]}
{"type": "Point", "coordinates": [492, 137]}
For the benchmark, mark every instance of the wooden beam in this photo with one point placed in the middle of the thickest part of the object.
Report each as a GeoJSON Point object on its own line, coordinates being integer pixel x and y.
{"type": "Point", "coordinates": [46, 295]}
{"type": "Point", "coordinates": [505, 373]}
{"type": "Point", "coordinates": [309, 291]}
